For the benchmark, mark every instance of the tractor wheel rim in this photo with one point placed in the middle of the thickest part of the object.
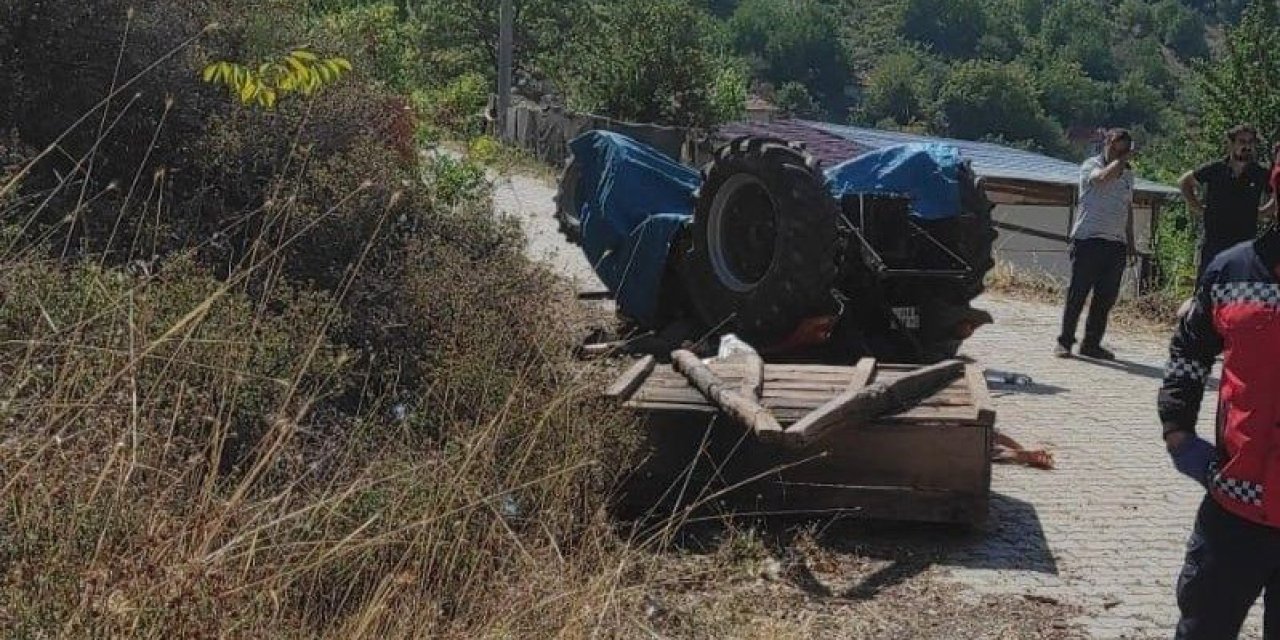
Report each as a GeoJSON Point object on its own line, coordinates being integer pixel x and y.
{"type": "Point", "coordinates": [742, 232]}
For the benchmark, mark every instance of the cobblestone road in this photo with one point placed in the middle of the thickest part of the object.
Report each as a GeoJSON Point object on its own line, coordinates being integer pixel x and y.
{"type": "Point", "coordinates": [1107, 528]}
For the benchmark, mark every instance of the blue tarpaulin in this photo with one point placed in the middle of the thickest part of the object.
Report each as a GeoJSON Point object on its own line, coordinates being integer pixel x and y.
{"type": "Point", "coordinates": [632, 199]}
{"type": "Point", "coordinates": [926, 173]}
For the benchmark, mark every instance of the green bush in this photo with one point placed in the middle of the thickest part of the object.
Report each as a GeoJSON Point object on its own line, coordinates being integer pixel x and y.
{"type": "Point", "coordinates": [452, 182]}
{"type": "Point", "coordinates": [457, 107]}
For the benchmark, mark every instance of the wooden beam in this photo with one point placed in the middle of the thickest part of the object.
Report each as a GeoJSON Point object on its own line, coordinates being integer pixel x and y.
{"type": "Point", "coordinates": [859, 406]}
{"type": "Point", "coordinates": [743, 410]}
{"type": "Point", "coordinates": [752, 376]}
{"type": "Point", "coordinates": [624, 386]}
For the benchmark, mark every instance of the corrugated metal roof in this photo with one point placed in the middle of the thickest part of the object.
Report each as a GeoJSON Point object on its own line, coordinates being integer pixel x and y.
{"type": "Point", "coordinates": [989, 160]}
{"type": "Point", "coordinates": [829, 148]}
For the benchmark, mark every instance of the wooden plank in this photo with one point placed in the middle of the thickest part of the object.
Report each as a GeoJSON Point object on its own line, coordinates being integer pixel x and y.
{"type": "Point", "coordinates": [628, 382]}
{"type": "Point", "coordinates": [921, 456]}
{"type": "Point", "coordinates": [752, 384]}
{"type": "Point", "coordinates": [745, 410]}
{"type": "Point", "coordinates": [807, 369]}
{"type": "Point", "coordinates": [862, 403]}
{"type": "Point", "coordinates": [789, 414]}
{"type": "Point", "coordinates": [980, 395]}
{"type": "Point", "coordinates": [793, 397]}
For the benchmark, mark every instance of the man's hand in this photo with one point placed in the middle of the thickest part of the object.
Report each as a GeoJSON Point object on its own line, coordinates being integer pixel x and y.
{"type": "Point", "coordinates": [1191, 455]}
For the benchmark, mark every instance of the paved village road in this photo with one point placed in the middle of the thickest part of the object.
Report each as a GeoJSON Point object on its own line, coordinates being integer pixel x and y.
{"type": "Point", "coordinates": [1106, 529]}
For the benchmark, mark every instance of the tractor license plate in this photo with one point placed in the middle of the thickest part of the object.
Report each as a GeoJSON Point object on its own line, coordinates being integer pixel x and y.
{"type": "Point", "coordinates": [908, 316]}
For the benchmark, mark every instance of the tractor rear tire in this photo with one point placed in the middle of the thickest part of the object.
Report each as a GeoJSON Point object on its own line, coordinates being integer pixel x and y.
{"type": "Point", "coordinates": [569, 202]}
{"type": "Point", "coordinates": [761, 253]}
{"type": "Point", "coordinates": [978, 232]}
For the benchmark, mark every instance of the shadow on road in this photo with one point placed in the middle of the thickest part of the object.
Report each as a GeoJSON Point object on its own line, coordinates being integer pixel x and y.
{"type": "Point", "coordinates": [1012, 539]}
{"type": "Point", "coordinates": [1138, 369]}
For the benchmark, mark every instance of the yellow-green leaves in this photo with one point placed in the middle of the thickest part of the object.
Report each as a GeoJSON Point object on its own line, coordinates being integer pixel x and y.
{"type": "Point", "coordinates": [299, 72]}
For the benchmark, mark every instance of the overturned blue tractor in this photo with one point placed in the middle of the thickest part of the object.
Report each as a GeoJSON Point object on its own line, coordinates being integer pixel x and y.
{"type": "Point", "coordinates": [880, 255]}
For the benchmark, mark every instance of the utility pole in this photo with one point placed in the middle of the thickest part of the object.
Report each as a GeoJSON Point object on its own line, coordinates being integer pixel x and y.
{"type": "Point", "coordinates": [506, 16]}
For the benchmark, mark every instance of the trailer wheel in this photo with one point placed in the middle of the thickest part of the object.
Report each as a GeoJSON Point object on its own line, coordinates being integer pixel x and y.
{"type": "Point", "coordinates": [761, 253]}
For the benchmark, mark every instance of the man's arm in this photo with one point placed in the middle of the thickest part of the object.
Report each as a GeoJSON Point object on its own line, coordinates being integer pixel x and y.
{"type": "Point", "coordinates": [1111, 171]}
{"type": "Point", "coordinates": [1190, 187]}
{"type": "Point", "coordinates": [1194, 346]}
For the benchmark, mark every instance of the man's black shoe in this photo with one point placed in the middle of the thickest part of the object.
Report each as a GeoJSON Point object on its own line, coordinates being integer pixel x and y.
{"type": "Point", "coordinates": [1096, 352]}
{"type": "Point", "coordinates": [1062, 351]}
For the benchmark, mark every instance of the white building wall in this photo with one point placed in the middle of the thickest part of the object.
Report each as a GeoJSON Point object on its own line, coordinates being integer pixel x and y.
{"type": "Point", "coordinates": [1042, 257]}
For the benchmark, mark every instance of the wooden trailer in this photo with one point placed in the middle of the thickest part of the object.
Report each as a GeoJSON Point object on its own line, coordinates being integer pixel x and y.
{"type": "Point", "coordinates": [931, 462]}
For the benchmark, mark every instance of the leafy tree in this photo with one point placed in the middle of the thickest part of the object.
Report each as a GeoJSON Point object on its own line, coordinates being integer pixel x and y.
{"type": "Point", "coordinates": [469, 28]}
{"type": "Point", "coordinates": [720, 8]}
{"type": "Point", "coordinates": [898, 89]}
{"type": "Point", "coordinates": [795, 41]}
{"type": "Point", "coordinates": [1006, 31]}
{"type": "Point", "coordinates": [642, 62]}
{"type": "Point", "coordinates": [1069, 95]}
{"type": "Point", "coordinates": [1241, 87]}
{"type": "Point", "coordinates": [1135, 102]}
{"type": "Point", "coordinates": [1082, 31]}
{"type": "Point", "coordinates": [793, 100]}
{"type": "Point", "coordinates": [952, 28]}
{"type": "Point", "coordinates": [1181, 29]}
{"type": "Point", "coordinates": [1144, 59]}
{"type": "Point", "coordinates": [982, 99]}
{"type": "Point", "coordinates": [729, 91]}
{"type": "Point", "coordinates": [1136, 17]}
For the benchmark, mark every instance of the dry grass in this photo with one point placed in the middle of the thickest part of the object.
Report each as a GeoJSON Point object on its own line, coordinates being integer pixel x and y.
{"type": "Point", "coordinates": [178, 461]}
{"type": "Point", "coordinates": [262, 442]}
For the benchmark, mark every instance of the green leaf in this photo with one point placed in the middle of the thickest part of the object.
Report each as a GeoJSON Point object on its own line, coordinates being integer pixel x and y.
{"type": "Point", "coordinates": [208, 72]}
{"type": "Point", "coordinates": [298, 66]}
{"type": "Point", "coordinates": [342, 63]}
{"type": "Point", "coordinates": [304, 55]}
{"type": "Point", "coordinates": [247, 91]}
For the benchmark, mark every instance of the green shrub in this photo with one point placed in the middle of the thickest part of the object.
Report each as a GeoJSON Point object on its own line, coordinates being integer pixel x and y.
{"type": "Point", "coordinates": [452, 182]}
{"type": "Point", "coordinates": [457, 107]}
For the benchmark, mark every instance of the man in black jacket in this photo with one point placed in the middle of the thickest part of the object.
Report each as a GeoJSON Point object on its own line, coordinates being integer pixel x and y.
{"type": "Point", "coordinates": [1234, 187]}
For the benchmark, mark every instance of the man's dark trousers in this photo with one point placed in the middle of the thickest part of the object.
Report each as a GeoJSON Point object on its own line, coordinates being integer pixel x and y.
{"type": "Point", "coordinates": [1229, 562]}
{"type": "Point", "coordinates": [1097, 266]}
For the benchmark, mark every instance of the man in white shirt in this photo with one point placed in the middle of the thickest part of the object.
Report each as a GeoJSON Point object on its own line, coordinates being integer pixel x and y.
{"type": "Point", "coordinates": [1101, 240]}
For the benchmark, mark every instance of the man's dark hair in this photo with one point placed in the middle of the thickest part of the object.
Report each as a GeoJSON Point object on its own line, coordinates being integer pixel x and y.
{"type": "Point", "coordinates": [1117, 134]}
{"type": "Point", "coordinates": [1234, 132]}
